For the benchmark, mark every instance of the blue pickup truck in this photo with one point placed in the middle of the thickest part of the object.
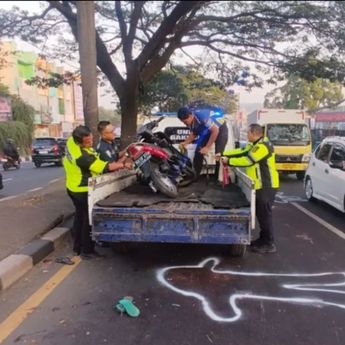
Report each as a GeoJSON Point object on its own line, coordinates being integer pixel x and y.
{"type": "Point", "coordinates": [121, 210]}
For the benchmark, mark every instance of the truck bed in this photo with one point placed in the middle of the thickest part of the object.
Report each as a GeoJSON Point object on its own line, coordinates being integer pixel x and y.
{"type": "Point", "coordinates": [122, 210]}
{"type": "Point", "coordinates": [200, 195]}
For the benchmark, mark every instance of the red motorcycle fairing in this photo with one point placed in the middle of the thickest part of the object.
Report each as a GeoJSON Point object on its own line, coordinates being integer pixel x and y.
{"type": "Point", "coordinates": [136, 149]}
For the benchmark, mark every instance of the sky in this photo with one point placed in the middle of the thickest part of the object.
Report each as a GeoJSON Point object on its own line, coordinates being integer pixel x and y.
{"type": "Point", "coordinates": [255, 96]}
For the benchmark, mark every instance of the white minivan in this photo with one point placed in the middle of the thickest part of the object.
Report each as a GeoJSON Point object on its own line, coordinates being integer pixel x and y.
{"type": "Point", "coordinates": [325, 176]}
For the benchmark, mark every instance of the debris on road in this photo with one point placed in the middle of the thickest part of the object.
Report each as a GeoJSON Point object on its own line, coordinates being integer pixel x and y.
{"type": "Point", "coordinates": [126, 305]}
{"type": "Point", "coordinates": [65, 260]}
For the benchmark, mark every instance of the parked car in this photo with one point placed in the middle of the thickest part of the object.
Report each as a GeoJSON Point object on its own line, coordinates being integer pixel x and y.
{"type": "Point", "coordinates": [325, 176]}
{"type": "Point", "coordinates": [46, 150]}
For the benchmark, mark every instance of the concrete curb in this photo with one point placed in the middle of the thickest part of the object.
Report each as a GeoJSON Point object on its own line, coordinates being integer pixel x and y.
{"type": "Point", "coordinates": [16, 265]}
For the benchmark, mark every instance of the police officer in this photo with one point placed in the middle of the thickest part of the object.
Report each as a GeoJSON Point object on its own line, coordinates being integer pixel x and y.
{"type": "Point", "coordinates": [80, 163]}
{"type": "Point", "coordinates": [259, 159]}
{"type": "Point", "coordinates": [207, 127]}
{"type": "Point", "coordinates": [107, 148]}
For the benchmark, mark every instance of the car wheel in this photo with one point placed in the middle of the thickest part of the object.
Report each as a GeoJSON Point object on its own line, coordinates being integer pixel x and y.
{"type": "Point", "coordinates": [308, 188]}
{"type": "Point", "coordinates": [37, 164]}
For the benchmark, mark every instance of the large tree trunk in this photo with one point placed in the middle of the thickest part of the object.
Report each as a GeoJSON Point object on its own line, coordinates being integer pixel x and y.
{"type": "Point", "coordinates": [129, 114]}
{"type": "Point", "coordinates": [87, 52]}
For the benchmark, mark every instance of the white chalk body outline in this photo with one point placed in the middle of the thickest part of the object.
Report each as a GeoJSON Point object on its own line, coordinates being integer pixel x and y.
{"type": "Point", "coordinates": [235, 297]}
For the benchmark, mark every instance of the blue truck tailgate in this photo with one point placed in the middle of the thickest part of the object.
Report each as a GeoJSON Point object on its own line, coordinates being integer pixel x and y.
{"type": "Point", "coordinates": [173, 221]}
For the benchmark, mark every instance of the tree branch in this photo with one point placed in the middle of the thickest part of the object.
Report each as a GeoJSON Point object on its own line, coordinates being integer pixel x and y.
{"type": "Point", "coordinates": [104, 61]}
{"type": "Point", "coordinates": [167, 27]}
{"type": "Point", "coordinates": [123, 30]}
{"type": "Point", "coordinates": [138, 5]}
{"type": "Point", "coordinates": [330, 106]}
{"type": "Point", "coordinates": [225, 52]}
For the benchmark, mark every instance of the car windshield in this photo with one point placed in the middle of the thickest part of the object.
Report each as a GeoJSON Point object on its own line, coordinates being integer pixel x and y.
{"type": "Point", "coordinates": [44, 142]}
{"type": "Point", "coordinates": [288, 134]}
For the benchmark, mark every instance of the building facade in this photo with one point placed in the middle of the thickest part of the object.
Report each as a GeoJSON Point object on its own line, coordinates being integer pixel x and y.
{"type": "Point", "coordinates": [58, 110]}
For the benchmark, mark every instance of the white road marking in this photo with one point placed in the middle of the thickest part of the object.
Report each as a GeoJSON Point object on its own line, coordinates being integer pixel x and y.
{"type": "Point", "coordinates": [328, 226]}
{"type": "Point", "coordinates": [337, 288]}
{"type": "Point", "coordinates": [8, 197]}
{"type": "Point", "coordinates": [7, 179]}
{"type": "Point", "coordinates": [55, 180]}
{"type": "Point", "coordinates": [35, 189]}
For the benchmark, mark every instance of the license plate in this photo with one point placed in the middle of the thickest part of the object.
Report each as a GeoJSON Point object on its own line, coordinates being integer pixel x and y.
{"type": "Point", "coordinates": [43, 152]}
{"type": "Point", "coordinates": [142, 160]}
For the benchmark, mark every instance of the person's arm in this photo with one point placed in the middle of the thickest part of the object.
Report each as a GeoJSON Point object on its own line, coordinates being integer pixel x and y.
{"type": "Point", "coordinates": [189, 140]}
{"type": "Point", "coordinates": [122, 153]}
{"type": "Point", "coordinates": [115, 166]}
{"type": "Point", "coordinates": [253, 156]}
{"type": "Point", "coordinates": [92, 163]}
{"type": "Point", "coordinates": [237, 152]}
{"type": "Point", "coordinates": [213, 137]}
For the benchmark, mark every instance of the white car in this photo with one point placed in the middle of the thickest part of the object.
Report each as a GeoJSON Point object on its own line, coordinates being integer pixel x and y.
{"type": "Point", "coordinates": [325, 176]}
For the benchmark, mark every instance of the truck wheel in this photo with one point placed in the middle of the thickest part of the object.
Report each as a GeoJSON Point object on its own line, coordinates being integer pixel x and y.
{"type": "Point", "coordinates": [238, 250]}
{"type": "Point", "coordinates": [162, 182]}
{"type": "Point", "coordinates": [300, 175]}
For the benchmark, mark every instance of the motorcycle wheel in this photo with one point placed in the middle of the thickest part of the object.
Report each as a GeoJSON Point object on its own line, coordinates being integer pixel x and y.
{"type": "Point", "coordinates": [162, 182]}
{"type": "Point", "coordinates": [5, 166]}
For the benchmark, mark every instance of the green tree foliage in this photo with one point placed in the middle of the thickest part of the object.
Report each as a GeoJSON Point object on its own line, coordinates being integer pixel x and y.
{"type": "Point", "coordinates": [298, 93]}
{"type": "Point", "coordinates": [166, 91]}
{"type": "Point", "coordinates": [23, 112]}
{"type": "Point", "coordinates": [109, 115]}
{"type": "Point", "coordinates": [17, 131]}
{"type": "Point", "coordinates": [179, 86]}
{"type": "Point", "coordinates": [21, 128]}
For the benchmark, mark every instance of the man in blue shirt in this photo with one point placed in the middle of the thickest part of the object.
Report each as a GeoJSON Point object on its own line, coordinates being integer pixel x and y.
{"type": "Point", "coordinates": [207, 126]}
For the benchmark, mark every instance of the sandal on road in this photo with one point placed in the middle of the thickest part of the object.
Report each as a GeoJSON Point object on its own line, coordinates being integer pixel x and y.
{"type": "Point", "coordinates": [126, 305]}
{"type": "Point", "coordinates": [64, 260]}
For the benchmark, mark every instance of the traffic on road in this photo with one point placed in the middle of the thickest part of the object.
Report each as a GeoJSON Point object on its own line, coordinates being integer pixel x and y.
{"type": "Point", "coordinates": [28, 178]}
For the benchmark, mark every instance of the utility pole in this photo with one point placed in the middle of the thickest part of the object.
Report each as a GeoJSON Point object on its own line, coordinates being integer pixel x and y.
{"type": "Point", "coordinates": [88, 62]}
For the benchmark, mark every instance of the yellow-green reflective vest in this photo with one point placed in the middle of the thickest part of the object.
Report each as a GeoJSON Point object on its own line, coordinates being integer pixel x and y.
{"type": "Point", "coordinates": [80, 164]}
{"type": "Point", "coordinates": [259, 161]}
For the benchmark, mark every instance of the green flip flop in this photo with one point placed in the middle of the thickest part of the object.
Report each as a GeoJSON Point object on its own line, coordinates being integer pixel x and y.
{"type": "Point", "coordinates": [126, 305]}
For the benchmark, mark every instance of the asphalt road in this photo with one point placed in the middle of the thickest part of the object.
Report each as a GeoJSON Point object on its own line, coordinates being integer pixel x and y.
{"type": "Point", "coordinates": [202, 296]}
{"type": "Point", "coordinates": [28, 177]}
